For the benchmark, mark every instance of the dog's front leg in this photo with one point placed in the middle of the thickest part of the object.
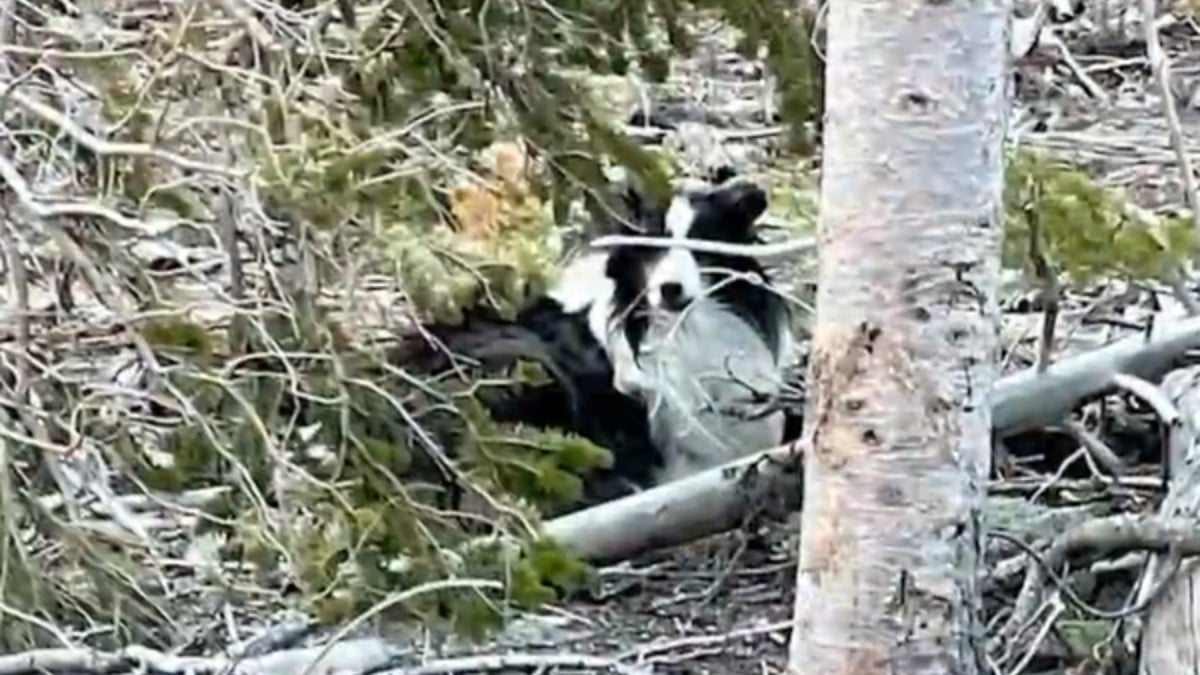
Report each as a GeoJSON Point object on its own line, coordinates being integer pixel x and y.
{"type": "Point", "coordinates": [628, 376]}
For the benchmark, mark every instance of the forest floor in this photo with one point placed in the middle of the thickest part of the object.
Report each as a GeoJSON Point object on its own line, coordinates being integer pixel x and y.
{"type": "Point", "coordinates": [722, 605]}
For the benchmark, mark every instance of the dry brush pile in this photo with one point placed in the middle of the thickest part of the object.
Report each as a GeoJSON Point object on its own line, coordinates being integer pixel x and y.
{"type": "Point", "coordinates": [219, 217]}
{"type": "Point", "coordinates": [223, 221]}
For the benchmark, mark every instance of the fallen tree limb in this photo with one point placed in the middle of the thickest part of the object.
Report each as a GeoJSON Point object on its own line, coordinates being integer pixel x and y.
{"type": "Point", "coordinates": [1032, 524]}
{"type": "Point", "coordinates": [719, 499]}
{"type": "Point", "coordinates": [510, 662]}
{"type": "Point", "coordinates": [1095, 539]}
{"type": "Point", "coordinates": [1028, 400]}
{"type": "Point", "coordinates": [350, 656]}
{"type": "Point", "coordinates": [685, 510]}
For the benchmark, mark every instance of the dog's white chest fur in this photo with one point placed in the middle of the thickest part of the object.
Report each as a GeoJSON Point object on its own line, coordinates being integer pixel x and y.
{"type": "Point", "coordinates": [710, 369]}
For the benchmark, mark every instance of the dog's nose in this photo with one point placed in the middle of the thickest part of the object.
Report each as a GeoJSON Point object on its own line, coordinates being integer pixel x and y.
{"type": "Point", "coordinates": [672, 294]}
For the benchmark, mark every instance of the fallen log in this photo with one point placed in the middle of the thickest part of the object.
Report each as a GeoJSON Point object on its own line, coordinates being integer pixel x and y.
{"type": "Point", "coordinates": [1027, 400]}
{"type": "Point", "coordinates": [685, 510]}
{"type": "Point", "coordinates": [719, 499]}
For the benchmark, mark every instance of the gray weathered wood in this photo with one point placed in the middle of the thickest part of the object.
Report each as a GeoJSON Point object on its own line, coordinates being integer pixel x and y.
{"type": "Point", "coordinates": [1171, 635]}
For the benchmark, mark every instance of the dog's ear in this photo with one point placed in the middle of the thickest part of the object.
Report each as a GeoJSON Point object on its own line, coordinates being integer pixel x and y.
{"type": "Point", "coordinates": [612, 207]}
{"type": "Point", "coordinates": [632, 207]}
{"type": "Point", "coordinates": [743, 201]}
{"type": "Point", "coordinates": [723, 174]}
{"type": "Point", "coordinates": [635, 208]}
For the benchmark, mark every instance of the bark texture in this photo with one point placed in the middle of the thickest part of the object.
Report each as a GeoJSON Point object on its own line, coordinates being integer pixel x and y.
{"type": "Point", "coordinates": [1171, 633]}
{"type": "Point", "coordinates": [906, 335]}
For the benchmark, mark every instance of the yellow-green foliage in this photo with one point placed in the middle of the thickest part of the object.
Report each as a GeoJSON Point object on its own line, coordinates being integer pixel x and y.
{"type": "Point", "coordinates": [373, 516]}
{"type": "Point", "coordinates": [1087, 231]}
{"type": "Point", "coordinates": [178, 335]}
{"type": "Point", "coordinates": [540, 465]}
{"type": "Point", "coordinates": [500, 244]}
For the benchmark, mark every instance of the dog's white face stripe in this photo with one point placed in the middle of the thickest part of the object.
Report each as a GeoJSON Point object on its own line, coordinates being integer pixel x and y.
{"type": "Point", "coordinates": [583, 283]}
{"type": "Point", "coordinates": [678, 265]}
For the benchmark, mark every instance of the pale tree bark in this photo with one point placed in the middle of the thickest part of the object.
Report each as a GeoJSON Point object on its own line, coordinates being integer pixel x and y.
{"type": "Point", "coordinates": [904, 347]}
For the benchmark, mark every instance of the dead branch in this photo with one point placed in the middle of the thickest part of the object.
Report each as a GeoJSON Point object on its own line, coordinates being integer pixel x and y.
{"type": "Point", "coordinates": [669, 515]}
{"type": "Point", "coordinates": [350, 656]}
{"type": "Point", "coordinates": [103, 147]}
{"type": "Point", "coordinates": [1097, 449]}
{"type": "Point", "coordinates": [507, 662]}
{"type": "Point", "coordinates": [1029, 400]}
{"type": "Point", "coordinates": [1099, 538]}
{"type": "Point", "coordinates": [1161, 68]}
{"type": "Point", "coordinates": [782, 249]}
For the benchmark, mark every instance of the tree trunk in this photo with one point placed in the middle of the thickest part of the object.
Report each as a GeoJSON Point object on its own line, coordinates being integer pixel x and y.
{"type": "Point", "coordinates": [905, 343]}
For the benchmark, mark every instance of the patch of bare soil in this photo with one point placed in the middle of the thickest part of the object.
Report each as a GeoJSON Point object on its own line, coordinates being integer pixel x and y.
{"type": "Point", "coordinates": [718, 606]}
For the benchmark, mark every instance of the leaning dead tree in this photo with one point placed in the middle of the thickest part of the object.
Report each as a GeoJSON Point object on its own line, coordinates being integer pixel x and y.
{"type": "Point", "coordinates": [903, 351]}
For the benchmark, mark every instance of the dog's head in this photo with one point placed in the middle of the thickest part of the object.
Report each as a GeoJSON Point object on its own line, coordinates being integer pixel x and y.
{"type": "Point", "coordinates": [649, 281]}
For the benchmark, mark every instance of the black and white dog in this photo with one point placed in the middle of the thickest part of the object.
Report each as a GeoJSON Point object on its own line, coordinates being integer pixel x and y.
{"type": "Point", "coordinates": [664, 356]}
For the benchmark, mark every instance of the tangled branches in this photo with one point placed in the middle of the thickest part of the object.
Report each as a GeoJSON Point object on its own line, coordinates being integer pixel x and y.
{"type": "Point", "coordinates": [217, 216]}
